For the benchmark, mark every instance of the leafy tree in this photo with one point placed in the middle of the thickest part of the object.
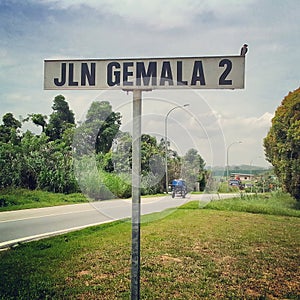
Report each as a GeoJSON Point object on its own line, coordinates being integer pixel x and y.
{"type": "Point", "coordinates": [61, 119]}
{"type": "Point", "coordinates": [20, 164]}
{"type": "Point", "coordinates": [282, 143]}
{"type": "Point", "coordinates": [9, 131]}
{"type": "Point", "coordinates": [39, 120]}
{"type": "Point", "coordinates": [193, 169]}
{"type": "Point", "coordinates": [149, 151]}
{"type": "Point", "coordinates": [97, 132]}
{"type": "Point", "coordinates": [174, 165]}
{"type": "Point", "coordinates": [174, 161]}
{"type": "Point", "coordinates": [152, 165]}
{"type": "Point", "coordinates": [9, 121]}
{"type": "Point", "coordinates": [109, 122]}
{"type": "Point", "coordinates": [33, 157]}
{"type": "Point", "coordinates": [47, 165]}
{"type": "Point", "coordinates": [9, 165]}
{"type": "Point", "coordinates": [57, 173]}
{"type": "Point", "coordinates": [122, 153]}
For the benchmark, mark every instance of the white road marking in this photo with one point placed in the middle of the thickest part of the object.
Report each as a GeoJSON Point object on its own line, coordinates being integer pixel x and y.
{"type": "Point", "coordinates": [5, 245]}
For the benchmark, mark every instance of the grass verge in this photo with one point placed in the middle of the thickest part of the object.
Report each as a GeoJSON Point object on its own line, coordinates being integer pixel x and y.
{"type": "Point", "coordinates": [190, 254]}
{"type": "Point", "coordinates": [269, 203]}
{"type": "Point", "coordinates": [15, 199]}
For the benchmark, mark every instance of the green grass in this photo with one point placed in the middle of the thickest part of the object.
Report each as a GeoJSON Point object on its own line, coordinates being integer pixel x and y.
{"type": "Point", "coordinates": [190, 254]}
{"type": "Point", "coordinates": [269, 203]}
{"type": "Point", "coordinates": [14, 199]}
{"type": "Point", "coordinates": [225, 188]}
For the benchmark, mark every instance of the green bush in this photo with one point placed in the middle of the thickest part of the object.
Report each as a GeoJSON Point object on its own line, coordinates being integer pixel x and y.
{"type": "Point", "coordinates": [225, 188]}
{"type": "Point", "coordinates": [119, 185]}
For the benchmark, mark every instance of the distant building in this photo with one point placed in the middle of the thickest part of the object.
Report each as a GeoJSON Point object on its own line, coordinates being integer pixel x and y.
{"type": "Point", "coordinates": [242, 176]}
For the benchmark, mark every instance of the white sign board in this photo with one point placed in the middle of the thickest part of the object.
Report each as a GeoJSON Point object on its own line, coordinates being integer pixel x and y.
{"type": "Point", "coordinates": [215, 72]}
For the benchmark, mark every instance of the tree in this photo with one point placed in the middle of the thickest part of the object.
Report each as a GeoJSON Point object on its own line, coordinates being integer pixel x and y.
{"type": "Point", "coordinates": [174, 161]}
{"type": "Point", "coordinates": [152, 165]}
{"type": "Point", "coordinates": [109, 122]}
{"type": "Point", "coordinates": [9, 131]}
{"type": "Point", "coordinates": [61, 119]}
{"type": "Point", "coordinates": [193, 169]}
{"type": "Point", "coordinates": [57, 171]}
{"type": "Point", "coordinates": [149, 150]}
{"type": "Point", "coordinates": [122, 153]}
{"type": "Point", "coordinates": [39, 120]}
{"type": "Point", "coordinates": [9, 165]}
{"type": "Point", "coordinates": [152, 162]}
{"type": "Point", "coordinates": [97, 132]}
{"type": "Point", "coordinates": [33, 156]}
{"type": "Point", "coordinates": [282, 143]}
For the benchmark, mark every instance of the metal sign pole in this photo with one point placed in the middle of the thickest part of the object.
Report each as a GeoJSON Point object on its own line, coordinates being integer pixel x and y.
{"type": "Point", "coordinates": [136, 196]}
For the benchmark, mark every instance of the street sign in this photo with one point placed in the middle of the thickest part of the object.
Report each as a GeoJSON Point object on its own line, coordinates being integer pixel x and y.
{"type": "Point", "coordinates": [138, 75]}
{"type": "Point", "coordinates": [216, 72]}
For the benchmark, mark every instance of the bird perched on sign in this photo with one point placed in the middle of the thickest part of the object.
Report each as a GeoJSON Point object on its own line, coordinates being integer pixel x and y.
{"type": "Point", "coordinates": [244, 50]}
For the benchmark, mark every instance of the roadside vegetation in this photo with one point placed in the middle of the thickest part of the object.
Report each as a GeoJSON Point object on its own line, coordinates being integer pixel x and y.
{"type": "Point", "coordinates": [216, 251]}
{"type": "Point", "coordinates": [93, 156]}
{"type": "Point", "coordinates": [282, 143]}
{"type": "Point", "coordinates": [276, 203]}
{"type": "Point", "coordinates": [15, 199]}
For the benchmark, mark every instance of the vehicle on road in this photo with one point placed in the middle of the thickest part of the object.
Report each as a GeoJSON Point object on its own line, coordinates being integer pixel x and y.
{"type": "Point", "coordinates": [179, 188]}
{"type": "Point", "coordinates": [236, 182]}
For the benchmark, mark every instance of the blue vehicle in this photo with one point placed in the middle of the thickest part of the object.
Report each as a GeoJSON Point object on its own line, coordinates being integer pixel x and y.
{"type": "Point", "coordinates": [179, 188]}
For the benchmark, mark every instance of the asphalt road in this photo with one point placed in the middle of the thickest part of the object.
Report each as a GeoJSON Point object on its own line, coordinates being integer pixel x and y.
{"type": "Point", "coordinates": [31, 224]}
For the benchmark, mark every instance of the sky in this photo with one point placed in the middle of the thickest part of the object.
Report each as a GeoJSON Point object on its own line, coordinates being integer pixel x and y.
{"type": "Point", "coordinates": [223, 125]}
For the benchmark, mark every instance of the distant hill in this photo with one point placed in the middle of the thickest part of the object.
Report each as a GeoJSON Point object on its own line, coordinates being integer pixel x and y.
{"type": "Point", "coordinates": [243, 169]}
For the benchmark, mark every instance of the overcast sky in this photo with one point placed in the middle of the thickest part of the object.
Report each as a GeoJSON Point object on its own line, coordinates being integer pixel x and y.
{"type": "Point", "coordinates": [34, 30]}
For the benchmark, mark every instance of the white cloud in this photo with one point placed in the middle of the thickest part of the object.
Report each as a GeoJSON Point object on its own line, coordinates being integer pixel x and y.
{"type": "Point", "coordinates": [250, 131]}
{"type": "Point", "coordinates": [158, 14]}
{"type": "Point", "coordinates": [249, 123]}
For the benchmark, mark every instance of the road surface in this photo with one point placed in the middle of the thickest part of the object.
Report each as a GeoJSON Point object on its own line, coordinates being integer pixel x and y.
{"type": "Point", "coordinates": [31, 224]}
